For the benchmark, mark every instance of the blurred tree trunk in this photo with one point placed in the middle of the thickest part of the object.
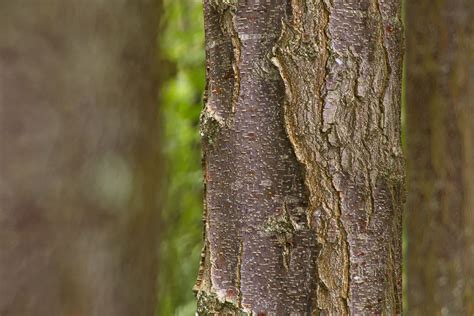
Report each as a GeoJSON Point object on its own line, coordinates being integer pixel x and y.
{"type": "Point", "coordinates": [303, 165]}
{"type": "Point", "coordinates": [440, 116]}
{"type": "Point", "coordinates": [78, 157]}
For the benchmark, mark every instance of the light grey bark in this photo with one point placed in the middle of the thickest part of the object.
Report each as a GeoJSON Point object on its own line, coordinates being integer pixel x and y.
{"type": "Point", "coordinates": [303, 164]}
{"type": "Point", "coordinates": [78, 157]}
{"type": "Point", "coordinates": [440, 116]}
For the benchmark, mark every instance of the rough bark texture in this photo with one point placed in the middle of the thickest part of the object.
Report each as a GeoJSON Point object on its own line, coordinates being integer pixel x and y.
{"type": "Point", "coordinates": [440, 116]}
{"type": "Point", "coordinates": [78, 157]}
{"type": "Point", "coordinates": [303, 164]}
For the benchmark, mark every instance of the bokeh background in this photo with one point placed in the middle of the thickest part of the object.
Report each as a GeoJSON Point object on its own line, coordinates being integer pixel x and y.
{"type": "Point", "coordinates": [182, 48]}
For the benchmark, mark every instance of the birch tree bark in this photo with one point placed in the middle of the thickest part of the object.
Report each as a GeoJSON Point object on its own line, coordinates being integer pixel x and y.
{"type": "Point", "coordinates": [440, 116]}
{"type": "Point", "coordinates": [303, 165]}
{"type": "Point", "coordinates": [78, 157]}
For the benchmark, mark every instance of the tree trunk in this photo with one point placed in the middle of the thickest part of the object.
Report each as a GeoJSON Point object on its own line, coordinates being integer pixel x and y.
{"type": "Point", "coordinates": [440, 116]}
{"type": "Point", "coordinates": [78, 157]}
{"type": "Point", "coordinates": [303, 165]}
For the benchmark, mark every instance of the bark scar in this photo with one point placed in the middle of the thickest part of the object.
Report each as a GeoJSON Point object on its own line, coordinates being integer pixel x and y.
{"type": "Point", "coordinates": [227, 10]}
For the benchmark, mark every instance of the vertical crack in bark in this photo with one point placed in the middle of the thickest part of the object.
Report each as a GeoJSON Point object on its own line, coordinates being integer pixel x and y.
{"type": "Point", "coordinates": [209, 302]}
{"type": "Point", "coordinates": [386, 65]}
{"type": "Point", "coordinates": [204, 282]}
{"type": "Point", "coordinates": [344, 294]}
{"type": "Point", "coordinates": [238, 272]}
{"type": "Point", "coordinates": [227, 10]}
{"type": "Point", "coordinates": [371, 208]}
{"type": "Point", "coordinates": [343, 297]}
{"type": "Point", "coordinates": [346, 265]}
{"type": "Point", "coordinates": [236, 44]}
{"type": "Point", "coordinates": [302, 51]}
{"type": "Point", "coordinates": [336, 117]}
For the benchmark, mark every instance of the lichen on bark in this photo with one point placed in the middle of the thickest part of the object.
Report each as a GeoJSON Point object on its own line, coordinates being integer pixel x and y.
{"type": "Point", "coordinates": [212, 304]}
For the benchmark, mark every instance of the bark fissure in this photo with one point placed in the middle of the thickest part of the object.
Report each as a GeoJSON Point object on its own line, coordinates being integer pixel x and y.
{"type": "Point", "coordinates": [227, 9]}
{"type": "Point", "coordinates": [307, 180]}
{"type": "Point", "coordinates": [387, 70]}
{"type": "Point", "coordinates": [361, 168]}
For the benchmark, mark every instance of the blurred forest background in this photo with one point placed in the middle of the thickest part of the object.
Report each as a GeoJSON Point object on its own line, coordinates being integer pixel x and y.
{"type": "Point", "coordinates": [183, 50]}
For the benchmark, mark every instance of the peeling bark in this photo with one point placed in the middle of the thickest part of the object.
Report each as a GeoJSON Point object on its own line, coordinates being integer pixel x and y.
{"type": "Point", "coordinates": [440, 116]}
{"type": "Point", "coordinates": [304, 179]}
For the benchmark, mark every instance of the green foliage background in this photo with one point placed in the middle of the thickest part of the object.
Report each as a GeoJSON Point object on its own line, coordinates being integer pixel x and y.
{"type": "Point", "coordinates": [182, 45]}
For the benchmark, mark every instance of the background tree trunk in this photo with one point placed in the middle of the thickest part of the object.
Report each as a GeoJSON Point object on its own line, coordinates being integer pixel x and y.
{"type": "Point", "coordinates": [440, 116]}
{"type": "Point", "coordinates": [303, 165]}
{"type": "Point", "coordinates": [78, 157]}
